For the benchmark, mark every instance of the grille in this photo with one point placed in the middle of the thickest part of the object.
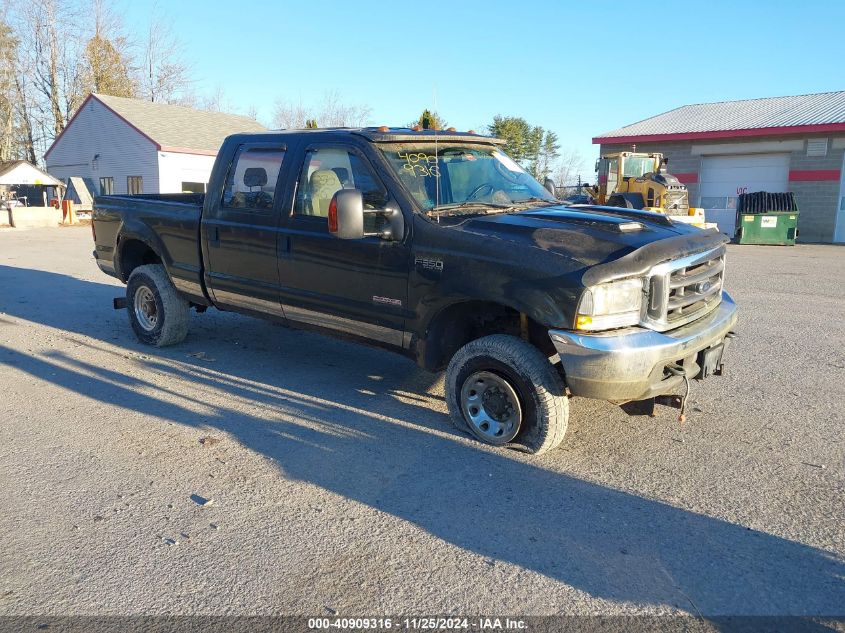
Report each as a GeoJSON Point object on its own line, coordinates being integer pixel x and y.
{"type": "Point", "coordinates": [686, 289]}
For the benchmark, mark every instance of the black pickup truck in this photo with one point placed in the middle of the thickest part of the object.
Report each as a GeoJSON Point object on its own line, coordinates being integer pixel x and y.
{"type": "Point", "coordinates": [439, 246]}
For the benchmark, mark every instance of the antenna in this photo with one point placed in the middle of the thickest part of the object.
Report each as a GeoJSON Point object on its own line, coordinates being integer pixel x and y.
{"type": "Point", "coordinates": [436, 155]}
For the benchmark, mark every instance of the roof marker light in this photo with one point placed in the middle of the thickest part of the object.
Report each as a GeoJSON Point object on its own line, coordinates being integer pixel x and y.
{"type": "Point", "coordinates": [384, 129]}
{"type": "Point", "coordinates": [451, 129]}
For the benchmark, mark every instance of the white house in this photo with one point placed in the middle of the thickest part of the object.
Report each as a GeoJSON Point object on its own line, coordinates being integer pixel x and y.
{"type": "Point", "coordinates": [133, 146]}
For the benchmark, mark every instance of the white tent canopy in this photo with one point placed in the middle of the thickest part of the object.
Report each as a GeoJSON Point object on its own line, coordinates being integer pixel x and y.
{"type": "Point", "coordinates": [16, 173]}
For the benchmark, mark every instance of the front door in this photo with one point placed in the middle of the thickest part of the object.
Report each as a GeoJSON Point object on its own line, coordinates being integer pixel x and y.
{"type": "Point", "coordinates": [241, 232]}
{"type": "Point", "coordinates": [356, 286]}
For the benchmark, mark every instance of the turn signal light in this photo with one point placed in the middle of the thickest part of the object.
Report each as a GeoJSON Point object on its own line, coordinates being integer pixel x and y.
{"type": "Point", "coordinates": [581, 323]}
{"type": "Point", "coordinates": [333, 215]}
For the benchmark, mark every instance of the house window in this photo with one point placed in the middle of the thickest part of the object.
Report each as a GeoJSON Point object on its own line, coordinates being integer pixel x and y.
{"type": "Point", "coordinates": [106, 186]}
{"type": "Point", "coordinates": [193, 187]}
{"type": "Point", "coordinates": [134, 185]}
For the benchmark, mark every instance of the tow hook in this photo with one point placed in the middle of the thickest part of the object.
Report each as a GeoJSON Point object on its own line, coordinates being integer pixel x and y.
{"type": "Point", "coordinates": [677, 370]}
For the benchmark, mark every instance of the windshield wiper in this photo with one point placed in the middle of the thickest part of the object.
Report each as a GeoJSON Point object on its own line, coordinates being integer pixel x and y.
{"type": "Point", "coordinates": [445, 208]}
{"type": "Point", "coordinates": [536, 199]}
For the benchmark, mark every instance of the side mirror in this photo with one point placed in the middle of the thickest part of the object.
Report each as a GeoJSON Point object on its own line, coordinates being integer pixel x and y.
{"type": "Point", "coordinates": [346, 215]}
{"type": "Point", "coordinates": [549, 184]}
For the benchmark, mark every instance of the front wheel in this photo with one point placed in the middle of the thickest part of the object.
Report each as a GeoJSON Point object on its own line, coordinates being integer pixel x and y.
{"type": "Point", "coordinates": [157, 313]}
{"type": "Point", "coordinates": [504, 391]}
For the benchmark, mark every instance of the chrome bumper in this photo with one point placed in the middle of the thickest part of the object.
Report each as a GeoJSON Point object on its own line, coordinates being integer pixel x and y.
{"type": "Point", "coordinates": [629, 365]}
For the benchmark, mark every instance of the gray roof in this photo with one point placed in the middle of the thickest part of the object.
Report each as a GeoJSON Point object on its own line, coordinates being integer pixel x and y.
{"type": "Point", "coordinates": [177, 127]}
{"type": "Point", "coordinates": [750, 114]}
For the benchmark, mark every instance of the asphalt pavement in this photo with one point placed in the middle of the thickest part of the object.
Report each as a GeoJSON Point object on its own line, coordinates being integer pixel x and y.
{"type": "Point", "coordinates": [255, 469]}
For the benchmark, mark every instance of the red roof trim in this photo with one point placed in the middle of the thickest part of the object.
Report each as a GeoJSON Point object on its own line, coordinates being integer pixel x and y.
{"type": "Point", "coordinates": [76, 114]}
{"type": "Point", "coordinates": [188, 150]}
{"type": "Point", "coordinates": [813, 175]}
{"type": "Point", "coordinates": [688, 178]}
{"type": "Point", "coordinates": [691, 136]}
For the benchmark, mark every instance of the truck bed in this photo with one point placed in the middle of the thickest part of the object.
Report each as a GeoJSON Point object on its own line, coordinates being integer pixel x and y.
{"type": "Point", "coordinates": [168, 222]}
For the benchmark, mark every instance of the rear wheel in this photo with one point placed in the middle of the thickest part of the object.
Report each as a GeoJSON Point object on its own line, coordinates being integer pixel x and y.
{"type": "Point", "coordinates": [505, 392]}
{"type": "Point", "coordinates": [157, 313]}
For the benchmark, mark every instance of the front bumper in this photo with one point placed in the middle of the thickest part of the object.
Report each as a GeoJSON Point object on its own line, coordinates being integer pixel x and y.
{"type": "Point", "coordinates": [630, 365]}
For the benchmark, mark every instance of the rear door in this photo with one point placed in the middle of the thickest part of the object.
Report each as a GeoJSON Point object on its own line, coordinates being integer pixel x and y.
{"type": "Point", "coordinates": [356, 286]}
{"type": "Point", "coordinates": [241, 231]}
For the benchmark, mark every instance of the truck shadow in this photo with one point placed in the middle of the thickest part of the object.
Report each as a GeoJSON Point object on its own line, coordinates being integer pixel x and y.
{"type": "Point", "coordinates": [363, 428]}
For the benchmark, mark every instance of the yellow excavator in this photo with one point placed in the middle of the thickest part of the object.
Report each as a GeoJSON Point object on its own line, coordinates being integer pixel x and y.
{"type": "Point", "coordinates": [636, 180]}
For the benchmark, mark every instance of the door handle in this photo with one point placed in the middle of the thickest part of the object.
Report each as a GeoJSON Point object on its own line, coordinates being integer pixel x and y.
{"type": "Point", "coordinates": [214, 235]}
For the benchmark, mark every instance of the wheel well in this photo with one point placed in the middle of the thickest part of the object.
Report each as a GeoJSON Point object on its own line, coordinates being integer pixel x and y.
{"type": "Point", "coordinates": [458, 324]}
{"type": "Point", "coordinates": [134, 253]}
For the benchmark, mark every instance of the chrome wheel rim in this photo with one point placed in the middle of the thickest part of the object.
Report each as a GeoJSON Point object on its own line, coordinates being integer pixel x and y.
{"type": "Point", "coordinates": [491, 406]}
{"type": "Point", "coordinates": [146, 311]}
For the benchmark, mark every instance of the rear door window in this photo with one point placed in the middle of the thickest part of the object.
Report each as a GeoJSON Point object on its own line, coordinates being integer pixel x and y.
{"type": "Point", "coordinates": [252, 179]}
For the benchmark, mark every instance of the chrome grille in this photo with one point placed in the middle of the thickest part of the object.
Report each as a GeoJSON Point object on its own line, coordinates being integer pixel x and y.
{"type": "Point", "coordinates": [686, 289]}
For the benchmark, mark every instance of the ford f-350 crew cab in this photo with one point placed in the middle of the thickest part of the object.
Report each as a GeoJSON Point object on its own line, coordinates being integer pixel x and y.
{"type": "Point", "coordinates": [439, 246]}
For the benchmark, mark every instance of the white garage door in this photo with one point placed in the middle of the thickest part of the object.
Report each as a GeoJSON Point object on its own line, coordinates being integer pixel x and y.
{"type": "Point", "coordinates": [839, 236]}
{"type": "Point", "coordinates": [724, 178]}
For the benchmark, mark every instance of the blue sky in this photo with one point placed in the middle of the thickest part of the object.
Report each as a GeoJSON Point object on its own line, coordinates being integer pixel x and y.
{"type": "Point", "coordinates": [576, 68]}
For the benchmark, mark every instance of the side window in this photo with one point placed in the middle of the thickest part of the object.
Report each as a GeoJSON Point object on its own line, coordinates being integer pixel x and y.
{"type": "Point", "coordinates": [326, 171]}
{"type": "Point", "coordinates": [252, 178]}
{"type": "Point", "coordinates": [612, 167]}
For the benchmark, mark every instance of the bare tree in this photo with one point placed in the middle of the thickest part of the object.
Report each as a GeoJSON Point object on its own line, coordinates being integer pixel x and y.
{"type": "Point", "coordinates": [8, 70]}
{"type": "Point", "coordinates": [567, 168]}
{"type": "Point", "coordinates": [332, 112]}
{"type": "Point", "coordinates": [217, 101]}
{"type": "Point", "coordinates": [47, 76]}
{"type": "Point", "coordinates": [335, 113]}
{"type": "Point", "coordinates": [26, 137]}
{"type": "Point", "coordinates": [165, 74]}
{"type": "Point", "coordinates": [290, 116]}
{"type": "Point", "coordinates": [49, 57]}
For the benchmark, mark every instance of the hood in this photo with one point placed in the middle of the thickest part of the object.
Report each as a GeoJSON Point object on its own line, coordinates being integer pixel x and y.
{"type": "Point", "coordinates": [589, 235]}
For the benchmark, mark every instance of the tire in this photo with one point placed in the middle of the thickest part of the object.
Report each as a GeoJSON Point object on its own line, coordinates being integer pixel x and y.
{"type": "Point", "coordinates": [157, 313]}
{"type": "Point", "coordinates": [492, 364]}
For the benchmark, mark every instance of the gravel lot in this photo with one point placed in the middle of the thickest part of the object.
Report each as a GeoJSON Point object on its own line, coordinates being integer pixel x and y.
{"type": "Point", "coordinates": [338, 485]}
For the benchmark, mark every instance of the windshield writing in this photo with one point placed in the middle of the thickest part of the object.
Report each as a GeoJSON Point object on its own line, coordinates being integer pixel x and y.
{"type": "Point", "coordinates": [454, 174]}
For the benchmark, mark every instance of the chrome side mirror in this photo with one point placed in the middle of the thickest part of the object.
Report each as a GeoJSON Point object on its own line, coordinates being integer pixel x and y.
{"type": "Point", "coordinates": [346, 215]}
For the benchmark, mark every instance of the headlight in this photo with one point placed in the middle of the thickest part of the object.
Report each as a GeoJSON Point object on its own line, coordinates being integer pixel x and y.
{"type": "Point", "coordinates": [610, 305]}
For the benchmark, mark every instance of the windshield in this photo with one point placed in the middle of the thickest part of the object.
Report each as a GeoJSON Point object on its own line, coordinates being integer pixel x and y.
{"type": "Point", "coordinates": [462, 174]}
{"type": "Point", "coordinates": [638, 166]}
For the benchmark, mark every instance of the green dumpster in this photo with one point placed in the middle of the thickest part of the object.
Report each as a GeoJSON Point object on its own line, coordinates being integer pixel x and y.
{"type": "Point", "coordinates": [772, 227]}
{"type": "Point", "coordinates": [767, 218]}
